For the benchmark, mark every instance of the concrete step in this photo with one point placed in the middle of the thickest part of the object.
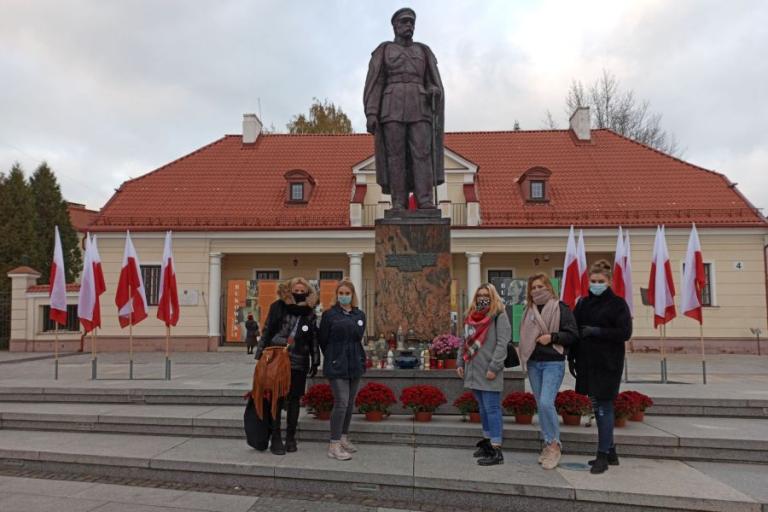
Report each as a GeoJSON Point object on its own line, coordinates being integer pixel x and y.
{"type": "Point", "coordinates": [419, 474]}
{"type": "Point", "coordinates": [665, 437]}
{"type": "Point", "coordinates": [162, 393]}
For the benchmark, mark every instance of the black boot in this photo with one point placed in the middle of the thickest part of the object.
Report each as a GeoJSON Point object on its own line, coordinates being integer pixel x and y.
{"type": "Point", "coordinates": [276, 446]}
{"type": "Point", "coordinates": [600, 465]}
{"type": "Point", "coordinates": [292, 421]}
{"type": "Point", "coordinates": [495, 458]}
{"type": "Point", "coordinates": [484, 449]}
{"type": "Point", "coordinates": [613, 458]}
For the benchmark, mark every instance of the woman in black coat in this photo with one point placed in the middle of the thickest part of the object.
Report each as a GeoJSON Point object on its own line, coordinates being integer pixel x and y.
{"type": "Point", "coordinates": [251, 333]}
{"type": "Point", "coordinates": [292, 322]}
{"type": "Point", "coordinates": [597, 360]}
{"type": "Point", "coordinates": [341, 338]}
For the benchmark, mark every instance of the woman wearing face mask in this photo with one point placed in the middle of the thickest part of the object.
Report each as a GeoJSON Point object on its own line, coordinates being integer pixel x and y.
{"type": "Point", "coordinates": [342, 328]}
{"type": "Point", "coordinates": [598, 359]}
{"type": "Point", "coordinates": [292, 322]}
{"type": "Point", "coordinates": [547, 330]}
{"type": "Point", "coordinates": [481, 365]}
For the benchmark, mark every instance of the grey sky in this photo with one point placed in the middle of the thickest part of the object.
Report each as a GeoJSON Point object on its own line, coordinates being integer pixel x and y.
{"type": "Point", "coordinates": [107, 90]}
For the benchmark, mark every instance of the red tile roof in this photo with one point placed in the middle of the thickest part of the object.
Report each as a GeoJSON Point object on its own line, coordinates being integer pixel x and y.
{"type": "Point", "coordinates": [610, 181]}
{"type": "Point", "coordinates": [37, 288]}
{"type": "Point", "coordinates": [80, 216]}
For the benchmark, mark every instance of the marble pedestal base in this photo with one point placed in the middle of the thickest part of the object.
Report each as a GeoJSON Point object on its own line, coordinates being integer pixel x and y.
{"type": "Point", "coordinates": [413, 273]}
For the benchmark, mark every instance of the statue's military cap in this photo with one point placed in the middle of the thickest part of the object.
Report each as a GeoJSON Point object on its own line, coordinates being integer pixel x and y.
{"type": "Point", "coordinates": [405, 11]}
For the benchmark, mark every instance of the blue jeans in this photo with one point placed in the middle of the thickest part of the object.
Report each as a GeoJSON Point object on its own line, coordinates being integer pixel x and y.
{"type": "Point", "coordinates": [490, 414]}
{"type": "Point", "coordinates": [545, 378]}
{"type": "Point", "coordinates": [604, 419]}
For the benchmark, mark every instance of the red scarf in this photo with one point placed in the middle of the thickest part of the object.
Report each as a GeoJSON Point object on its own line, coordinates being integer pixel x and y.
{"type": "Point", "coordinates": [480, 321]}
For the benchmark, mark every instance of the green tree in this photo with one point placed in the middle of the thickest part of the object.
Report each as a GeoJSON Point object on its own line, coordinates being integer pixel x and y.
{"type": "Point", "coordinates": [324, 117]}
{"type": "Point", "coordinates": [51, 210]}
{"type": "Point", "coordinates": [18, 239]}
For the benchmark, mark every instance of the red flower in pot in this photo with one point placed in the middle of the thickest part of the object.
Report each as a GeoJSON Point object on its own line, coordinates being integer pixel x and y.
{"type": "Point", "coordinates": [319, 401]}
{"type": "Point", "coordinates": [572, 406]}
{"type": "Point", "coordinates": [423, 400]}
{"type": "Point", "coordinates": [467, 405]}
{"type": "Point", "coordinates": [521, 404]}
{"type": "Point", "coordinates": [374, 400]}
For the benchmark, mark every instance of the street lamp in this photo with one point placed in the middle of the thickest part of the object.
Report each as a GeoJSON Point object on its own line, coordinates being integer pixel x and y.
{"type": "Point", "coordinates": [757, 332]}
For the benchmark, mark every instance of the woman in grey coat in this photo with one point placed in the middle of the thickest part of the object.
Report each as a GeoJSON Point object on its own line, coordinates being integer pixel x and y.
{"type": "Point", "coordinates": [481, 365]}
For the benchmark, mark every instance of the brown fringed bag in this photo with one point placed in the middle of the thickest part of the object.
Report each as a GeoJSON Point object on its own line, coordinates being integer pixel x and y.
{"type": "Point", "coordinates": [271, 377]}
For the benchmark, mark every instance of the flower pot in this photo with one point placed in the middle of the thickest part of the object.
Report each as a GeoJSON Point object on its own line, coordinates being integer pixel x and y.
{"type": "Point", "coordinates": [620, 422]}
{"type": "Point", "coordinates": [638, 416]}
{"type": "Point", "coordinates": [423, 416]}
{"type": "Point", "coordinates": [524, 419]}
{"type": "Point", "coordinates": [449, 364]}
{"type": "Point", "coordinates": [374, 415]}
{"type": "Point", "coordinates": [474, 417]}
{"type": "Point", "coordinates": [323, 415]}
{"type": "Point", "coordinates": [433, 362]}
{"type": "Point", "coordinates": [571, 419]}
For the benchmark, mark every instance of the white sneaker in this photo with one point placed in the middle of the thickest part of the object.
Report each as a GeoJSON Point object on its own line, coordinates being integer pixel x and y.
{"type": "Point", "coordinates": [347, 445]}
{"type": "Point", "coordinates": [335, 451]}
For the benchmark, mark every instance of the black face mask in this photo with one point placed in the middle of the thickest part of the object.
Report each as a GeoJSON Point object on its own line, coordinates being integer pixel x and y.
{"type": "Point", "coordinates": [299, 297]}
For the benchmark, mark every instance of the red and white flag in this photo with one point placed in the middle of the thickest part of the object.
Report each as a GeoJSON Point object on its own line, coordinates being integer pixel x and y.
{"type": "Point", "coordinates": [628, 289]}
{"type": "Point", "coordinates": [130, 297]}
{"type": "Point", "coordinates": [168, 304]}
{"type": "Point", "coordinates": [583, 269]}
{"type": "Point", "coordinates": [661, 287]}
{"type": "Point", "coordinates": [570, 287]}
{"type": "Point", "coordinates": [693, 278]}
{"type": "Point", "coordinates": [91, 287]}
{"type": "Point", "coordinates": [619, 260]}
{"type": "Point", "coordinates": [58, 281]}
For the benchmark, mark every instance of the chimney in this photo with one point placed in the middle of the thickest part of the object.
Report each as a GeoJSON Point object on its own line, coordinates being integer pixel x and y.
{"type": "Point", "coordinates": [580, 124]}
{"type": "Point", "coordinates": [251, 128]}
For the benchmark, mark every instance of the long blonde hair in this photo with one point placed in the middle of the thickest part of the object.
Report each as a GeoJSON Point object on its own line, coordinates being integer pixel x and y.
{"type": "Point", "coordinates": [497, 305]}
{"type": "Point", "coordinates": [287, 294]}
{"type": "Point", "coordinates": [544, 278]}
{"type": "Point", "coordinates": [345, 283]}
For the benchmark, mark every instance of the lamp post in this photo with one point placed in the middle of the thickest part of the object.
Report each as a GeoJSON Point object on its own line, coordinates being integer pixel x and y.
{"type": "Point", "coordinates": [757, 332]}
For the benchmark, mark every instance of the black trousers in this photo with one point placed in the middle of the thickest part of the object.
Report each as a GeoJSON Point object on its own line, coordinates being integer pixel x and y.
{"type": "Point", "coordinates": [409, 160]}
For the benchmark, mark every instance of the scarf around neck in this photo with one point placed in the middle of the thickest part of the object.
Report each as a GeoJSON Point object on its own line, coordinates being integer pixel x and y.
{"type": "Point", "coordinates": [478, 323]}
{"type": "Point", "coordinates": [535, 324]}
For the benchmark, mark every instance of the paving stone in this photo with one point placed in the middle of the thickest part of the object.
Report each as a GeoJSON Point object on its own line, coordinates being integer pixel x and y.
{"type": "Point", "coordinates": [13, 502]}
{"type": "Point", "coordinates": [738, 433]}
{"type": "Point", "coordinates": [42, 487]}
{"type": "Point", "coordinates": [751, 479]}
{"type": "Point", "coordinates": [216, 456]}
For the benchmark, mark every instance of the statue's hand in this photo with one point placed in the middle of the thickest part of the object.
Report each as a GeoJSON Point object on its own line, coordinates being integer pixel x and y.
{"type": "Point", "coordinates": [371, 124]}
{"type": "Point", "coordinates": [435, 92]}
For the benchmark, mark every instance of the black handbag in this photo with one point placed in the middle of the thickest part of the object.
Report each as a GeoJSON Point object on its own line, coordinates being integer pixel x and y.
{"type": "Point", "coordinates": [512, 358]}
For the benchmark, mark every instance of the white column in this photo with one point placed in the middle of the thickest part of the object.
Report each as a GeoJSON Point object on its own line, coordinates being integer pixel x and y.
{"type": "Point", "coordinates": [214, 294]}
{"type": "Point", "coordinates": [356, 272]}
{"type": "Point", "coordinates": [473, 273]}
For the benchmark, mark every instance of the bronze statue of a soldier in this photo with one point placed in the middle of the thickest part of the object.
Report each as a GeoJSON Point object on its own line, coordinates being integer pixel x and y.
{"type": "Point", "coordinates": [404, 108]}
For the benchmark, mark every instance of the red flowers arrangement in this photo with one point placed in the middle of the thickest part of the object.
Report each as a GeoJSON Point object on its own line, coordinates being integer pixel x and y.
{"type": "Point", "coordinates": [572, 403]}
{"type": "Point", "coordinates": [375, 397]}
{"type": "Point", "coordinates": [422, 398]}
{"type": "Point", "coordinates": [623, 407]}
{"type": "Point", "coordinates": [519, 403]}
{"type": "Point", "coordinates": [318, 399]}
{"type": "Point", "coordinates": [466, 403]}
{"type": "Point", "coordinates": [640, 401]}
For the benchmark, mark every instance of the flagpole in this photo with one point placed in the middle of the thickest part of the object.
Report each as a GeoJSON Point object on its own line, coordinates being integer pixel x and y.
{"type": "Point", "coordinates": [167, 352]}
{"type": "Point", "coordinates": [664, 351]}
{"type": "Point", "coordinates": [93, 354]}
{"type": "Point", "coordinates": [56, 350]}
{"type": "Point", "coordinates": [703, 353]}
{"type": "Point", "coordinates": [130, 335]}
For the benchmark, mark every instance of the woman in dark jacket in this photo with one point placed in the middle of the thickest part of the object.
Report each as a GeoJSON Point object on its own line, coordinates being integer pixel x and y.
{"type": "Point", "coordinates": [605, 323]}
{"type": "Point", "coordinates": [341, 338]}
{"type": "Point", "coordinates": [251, 333]}
{"type": "Point", "coordinates": [292, 322]}
{"type": "Point", "coordinates": [547, 330]}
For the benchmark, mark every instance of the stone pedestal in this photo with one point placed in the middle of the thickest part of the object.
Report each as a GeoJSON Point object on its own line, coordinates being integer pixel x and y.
{"type": "Point", "coordinates": [413, 273]}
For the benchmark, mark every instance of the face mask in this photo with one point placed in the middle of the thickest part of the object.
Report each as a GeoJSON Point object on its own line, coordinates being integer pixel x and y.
{"type": "Point", "coordinates": [299, 297]}
{"type": "Point", "coordinates": [345, 300]}
{"type": "Point", "coordinates": [541, 296]}
{"type": "Point", "coordinates": [597, 288]}
{"type": "Point", "coordinates": [483, 302]}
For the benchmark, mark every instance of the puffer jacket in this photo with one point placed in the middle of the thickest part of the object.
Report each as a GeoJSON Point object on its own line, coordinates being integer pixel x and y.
{"type": "Point", "coordinates": [341, 340]}
{"type": "Point", "coordinates": [283, 315]}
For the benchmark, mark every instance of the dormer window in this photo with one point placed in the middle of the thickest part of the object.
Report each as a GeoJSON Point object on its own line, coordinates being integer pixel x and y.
{"type": "Point", "coordinates": [299, 186]}
{"type": "Point", "coordinates": [534, 185]}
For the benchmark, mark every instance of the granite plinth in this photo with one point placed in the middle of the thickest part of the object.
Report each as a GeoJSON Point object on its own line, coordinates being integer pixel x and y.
{"type": "Point", "coordinates": [413, 273]}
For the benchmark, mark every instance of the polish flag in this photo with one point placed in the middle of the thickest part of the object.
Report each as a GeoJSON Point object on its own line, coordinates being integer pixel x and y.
{"type": "Point", "coordinates": [661, 287]}
{"type": "Point", "coordinates": [583, 269]}
{"type": "Point", "coordinates": [58, 280]}
{"type": "Point", "coordinates": [168, 305]}
{"type": "Point", "coordinates": [628, 289]}
{"type": "Point", "coordinates": [693, 278]}
{"type": "Point", "coordinates": [91, 287]}
{"type": "Point", "coordinates": [130, 297]}
{"type": "Point", "coordinates": [570, 288]}
{"type": "Point", "coordinates": [619, 260]}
